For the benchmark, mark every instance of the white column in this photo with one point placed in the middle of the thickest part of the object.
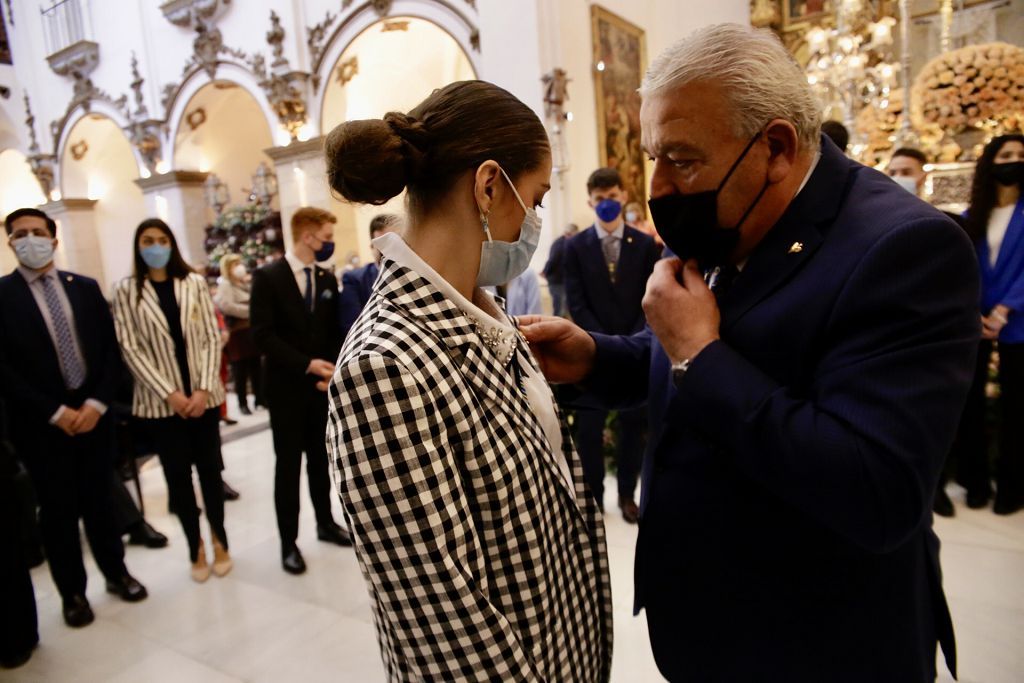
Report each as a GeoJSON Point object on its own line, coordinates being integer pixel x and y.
{"type": "Point", "coordinates": [177, 198]}
{"type": "Point", "coordinates": [78, 243]}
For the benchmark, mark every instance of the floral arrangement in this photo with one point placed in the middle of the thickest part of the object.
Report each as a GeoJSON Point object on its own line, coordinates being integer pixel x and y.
{"type": "Point", "coordinates": [251, 231]}
{"type": "Point", "coordinates": [979, 86]}
{"type": "Point", "coordinates": [247, 215]}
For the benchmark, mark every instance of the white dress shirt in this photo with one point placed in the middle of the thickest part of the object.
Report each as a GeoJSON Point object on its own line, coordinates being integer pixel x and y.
{"type": "Point", "coordinates": [495, 324]}
{"type": "Point", "coordinates": [35, 285]}
{"type": "Point", "coordinates": [299, 270]}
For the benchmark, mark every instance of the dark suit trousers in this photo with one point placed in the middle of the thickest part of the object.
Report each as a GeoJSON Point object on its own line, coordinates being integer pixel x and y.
{"type": "Point", "coordinates": [180, 444]}
{"type": "Point", "coordinates": [18, 620]}
{"type": "Point", "coordinates": [970, 448]}
{"type": "Point", "coordinates": [242, 373]}
{"type": "Point", "coordinates": [71, 476]}
{"type": "Point", "coordinates": [590, 440]}
{"type": "Point", "coordinates": [299, 423]}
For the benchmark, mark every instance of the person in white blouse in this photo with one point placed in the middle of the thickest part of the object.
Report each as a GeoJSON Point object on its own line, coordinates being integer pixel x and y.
{"type": "Point", "coordinates": [995, 221]}
{"type": "Point", "coordinates": [481, 547]}
{"type": "Point", "coordinates": [232, 299]}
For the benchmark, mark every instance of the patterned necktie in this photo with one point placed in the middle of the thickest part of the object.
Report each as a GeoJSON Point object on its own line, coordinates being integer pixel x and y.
{"type": "Point", "coordinates": [610, 246]}
{"type": "Point", "coordinates": [309, 289]}
{"type": "Point", "coordinates": [70, 363]}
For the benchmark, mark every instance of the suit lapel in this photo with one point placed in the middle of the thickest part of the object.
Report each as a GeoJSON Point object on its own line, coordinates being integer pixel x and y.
{"type": "Point", "coordinates": [33, 313]}
{"type": "Point", "coordinates": [792, 240]}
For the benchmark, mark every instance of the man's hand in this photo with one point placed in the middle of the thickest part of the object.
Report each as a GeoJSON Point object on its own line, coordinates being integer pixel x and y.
{"type": "Point", "coordinates": [197, 403]}
{"type": "Point", "coordinates": [564, 351]}
{"type": "Point", "coordinates": [67, 421]}
{"type": "Point", "coordinates": [179, 404]}
{"type": "Point", "coordinates": [86, 419]}
{"type": "Point", "coordinates": [322, 369]}
{"type": "Point", "coordinates": [680, 309]}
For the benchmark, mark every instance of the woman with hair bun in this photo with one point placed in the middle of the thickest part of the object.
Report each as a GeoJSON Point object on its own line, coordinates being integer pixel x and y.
{"type": "Point", "coordinates": [483, 551]}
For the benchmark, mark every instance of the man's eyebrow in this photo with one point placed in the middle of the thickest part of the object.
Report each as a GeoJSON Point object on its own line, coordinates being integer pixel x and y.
{"type": "Point", "coordinates": [665, 150]}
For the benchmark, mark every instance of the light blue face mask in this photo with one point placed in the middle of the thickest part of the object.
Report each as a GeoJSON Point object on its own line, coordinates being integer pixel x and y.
{"type": "Point", "coordinates": [502, 262]}
{"type": "Point", "coordinates": [33, 251]}
{"type": "Point", "coordinates": [156, 256]}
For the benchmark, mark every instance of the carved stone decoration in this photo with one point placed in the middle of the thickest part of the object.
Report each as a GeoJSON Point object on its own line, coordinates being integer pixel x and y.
{"type": "Point", "coordinates": [381, 7]}
{"type": "Point", "coordinates": [348, 70]}
{"type": "Point", "coordinates": [79, 150]}
{"type": "Point", "coordinates": [81, 57]}
{"type": "Point", "coordinates": [195, 118]}
{"type": "Point", "coordinates": [394, 26]}
{"type": "Point", "coordinates": [474, 39]}
{"type": "Point", "coordinates": [41, 164]}
{"type": "Point", "coordinates": [556, 93]}
{"type": "Point", "coordinates": [5, 92]}
{"type": "Point", "coordinates": [471, 3]}
{"type": "Point", "coordinates": [315, 37]}
{"type": "Point", "coordinates": [143, 132]}
{"type": "Point", "coordinates": [275, 37]}
{"type": "Point", "coordinates": [187, 13]}
{"type": "Point", "coordinates": [141, 111]}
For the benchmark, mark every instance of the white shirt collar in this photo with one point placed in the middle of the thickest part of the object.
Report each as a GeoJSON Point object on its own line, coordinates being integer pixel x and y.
{"type": "Point", "coordinates": [618, 232]}
{"type": "Point", "coordinates": [498, 334]}
{"type": "Point", "coordinates": [32, 276]}
{"type": "Point", "coordinates": [296, 263]}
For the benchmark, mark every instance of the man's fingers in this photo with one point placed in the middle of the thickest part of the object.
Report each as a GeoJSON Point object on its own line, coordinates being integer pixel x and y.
{"type": "Point", "coordinates": [692, 278]}
{"type": "Point", "coordinates": [545, 330]}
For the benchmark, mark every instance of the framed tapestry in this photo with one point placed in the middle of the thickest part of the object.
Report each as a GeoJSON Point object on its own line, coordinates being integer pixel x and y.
{"type": "Point", "coordinates": [620, 58]}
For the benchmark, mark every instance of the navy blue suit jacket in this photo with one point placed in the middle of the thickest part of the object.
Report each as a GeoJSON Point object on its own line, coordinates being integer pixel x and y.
{"type": "Point", "coordinates": [595, 302]}
{"type": "Point", "coordinates": [30, 375]}
{"type": "Point", "coordinates": [356, 286]}
{"type": "Point", "coordinates": [786, 510]}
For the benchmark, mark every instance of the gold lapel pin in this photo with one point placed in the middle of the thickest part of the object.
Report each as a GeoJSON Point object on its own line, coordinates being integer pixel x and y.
{"type": "Point", "coordinates": [796, 248]}
{"type": "Point", "coordinates": [69, 278]}
{"type": "Point", "coordinates": [629, 240]}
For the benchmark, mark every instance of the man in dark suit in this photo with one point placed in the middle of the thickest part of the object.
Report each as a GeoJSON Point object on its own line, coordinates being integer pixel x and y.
{"type": "Point", "coordinates": [356, 285]}
{"type": "Point", "coordinates": [294, 318]}
{"type": "Point", "coordinates": [554, 270]}
{"type": "Point", "coordinates": [606, 271]}
{"type": "Point", "coordinates": [800, 409]}
{"type": "Point", "coordinates": [59, 367]}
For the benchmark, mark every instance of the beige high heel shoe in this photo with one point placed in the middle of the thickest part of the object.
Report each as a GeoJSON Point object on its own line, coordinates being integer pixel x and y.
{"type": "Point", "coordinates": [222, 563]}
{"type": "Point", "coordinates": [200, 568]}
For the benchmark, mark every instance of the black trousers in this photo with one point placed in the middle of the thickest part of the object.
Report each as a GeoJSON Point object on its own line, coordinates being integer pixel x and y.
{"type": "Point", "coordinates": [242, 373]}
{"type": "Point", "coordinates": [71, 476]}
{"type": "Point", "coordinates": [299, 424]}
{"type": "Point", "coordinates": [970, 451]}
{"type": "Point", "coordinates": [629, 454]}
{"type": "Point", "coordinates": [19, 630]}
{"type": "Point", "coordinates": [126, 512]}
{"type": "Point", "coordinates": [181, 444]}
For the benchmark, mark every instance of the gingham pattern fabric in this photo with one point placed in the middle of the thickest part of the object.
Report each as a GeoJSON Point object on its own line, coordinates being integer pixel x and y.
{"type": "Point", "coordinates": [69, 356]}
{"type": "Point", "coordinates": [481, 562]}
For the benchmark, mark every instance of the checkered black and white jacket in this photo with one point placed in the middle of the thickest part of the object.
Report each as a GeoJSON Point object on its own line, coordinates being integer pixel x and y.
{"type": "Point", "coordinates": [482, 563]}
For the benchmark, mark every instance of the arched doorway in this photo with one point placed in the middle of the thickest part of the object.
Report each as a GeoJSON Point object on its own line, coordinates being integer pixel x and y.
{"type": "Point", "coordinates": [392, 65]}
{"type": "Point", "coordinates": [97, 163]}
{"type": "Point", "coordinates": [18, 189]}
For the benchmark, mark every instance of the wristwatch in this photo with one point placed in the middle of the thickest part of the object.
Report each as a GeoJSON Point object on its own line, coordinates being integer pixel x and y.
{"type": "Point", "coordinates": [679, 370]}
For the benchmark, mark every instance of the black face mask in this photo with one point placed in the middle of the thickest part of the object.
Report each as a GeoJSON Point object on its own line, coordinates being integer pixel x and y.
{"type": "Point", "coordinates": [688, 223]}
{"type": "Point", "coordinates": [1011, 173]}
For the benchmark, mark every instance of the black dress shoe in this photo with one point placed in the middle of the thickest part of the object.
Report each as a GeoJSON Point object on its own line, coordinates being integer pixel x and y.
{"type": "Point", "coordinates": [942, 505]}
{"type": "Point", "coordinates": [978, 499]}
{"type": "Point", "coordinates": [228, 421]}
{"type": "Point", "coordinates": [17, 659]}
{"type": "Point", "coordinates": [143, 534]}
{"type": "Point", "coordinates": [34, 556]}
{"type": "Point", "coordinates": [127, 588]}
{"type": "Point", "coordinates": [244, 409]}
{"type": "Point", "coordinates": [334, 534]}
{"type": "Point", "coordinates": [1007, 505]}
{"type": "Point", "coordinates": [77, 612]}
{"type": "Point", "coordinates": [630, 512]}
{"type": "Point", "coordinates": [293, 563]}
{"type": "Point", "coordinates": [230, 493]}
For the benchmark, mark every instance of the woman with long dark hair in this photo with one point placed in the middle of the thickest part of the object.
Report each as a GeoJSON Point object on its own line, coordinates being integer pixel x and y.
{"type": "Point", "coordinates": [995, 221]}
{"type": "Point", "coordinates": [482, 549]}
{"type": "Point", "coordinates": [167, 328]}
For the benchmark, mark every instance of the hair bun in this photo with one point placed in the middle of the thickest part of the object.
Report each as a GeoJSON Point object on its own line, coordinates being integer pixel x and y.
{"type": "Point", "coordinates": [367, 161]}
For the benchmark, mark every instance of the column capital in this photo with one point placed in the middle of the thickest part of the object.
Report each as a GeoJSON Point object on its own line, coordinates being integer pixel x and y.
{"type": "Point", "coordinates": [171, 179]}
{"type": "Point", "coordinates": [296, 150]}
{"type": "Point", "coordinates": [68, 204]}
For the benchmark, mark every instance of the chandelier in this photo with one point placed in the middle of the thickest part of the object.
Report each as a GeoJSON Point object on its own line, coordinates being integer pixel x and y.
{"type": "Point", "coordinates": [851, 66]}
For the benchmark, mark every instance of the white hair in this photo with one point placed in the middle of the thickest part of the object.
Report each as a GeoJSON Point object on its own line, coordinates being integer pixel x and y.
{"type": "Point", "coordinates": [759, 78]}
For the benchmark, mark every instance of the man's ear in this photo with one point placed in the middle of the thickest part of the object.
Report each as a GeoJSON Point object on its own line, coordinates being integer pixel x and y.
{"type": "Point", "coordinates": [783, 143]}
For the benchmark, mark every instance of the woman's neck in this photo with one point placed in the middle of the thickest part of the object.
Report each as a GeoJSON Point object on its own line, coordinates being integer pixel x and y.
{"type": "Point", "coordinates": [158, 274]}
{"type": "Point", "coordinates": [454, 252]}
{"type": "Point", "coordinates": [1007, 194]}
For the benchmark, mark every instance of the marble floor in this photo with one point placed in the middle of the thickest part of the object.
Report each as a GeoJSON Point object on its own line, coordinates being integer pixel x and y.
{"type": "Point", "coordinates": [260, 624]}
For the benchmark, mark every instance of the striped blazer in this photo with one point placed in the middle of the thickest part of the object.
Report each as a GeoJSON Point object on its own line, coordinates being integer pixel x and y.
{"type": "Point", "coordinates": [148, 348]}
{"type": "Point", "coordinates": [481, 561]}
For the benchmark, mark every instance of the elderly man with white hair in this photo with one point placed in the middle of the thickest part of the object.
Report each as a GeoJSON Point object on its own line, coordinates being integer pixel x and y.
{"type": "Point", "coordinates": [808, 353]}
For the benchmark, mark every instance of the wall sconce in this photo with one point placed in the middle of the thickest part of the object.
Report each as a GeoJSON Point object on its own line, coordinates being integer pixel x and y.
{"type": "Point", "coordinates": [216, 193]}
{"type": "Point", "coordinates": [264, 184]}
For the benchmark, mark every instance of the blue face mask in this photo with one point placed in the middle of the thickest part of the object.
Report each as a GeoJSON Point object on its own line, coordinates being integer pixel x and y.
{"type": "Point", "coordinates": [324, 252]}
{"type": "Point", "coordinates": [502, 262]}
{"type": "Point", "coordinates": [33, 251]}
{"type": "Point", "coordinates": [156, 256]}
{"type": "Point", "coordinates": [608, 210]}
